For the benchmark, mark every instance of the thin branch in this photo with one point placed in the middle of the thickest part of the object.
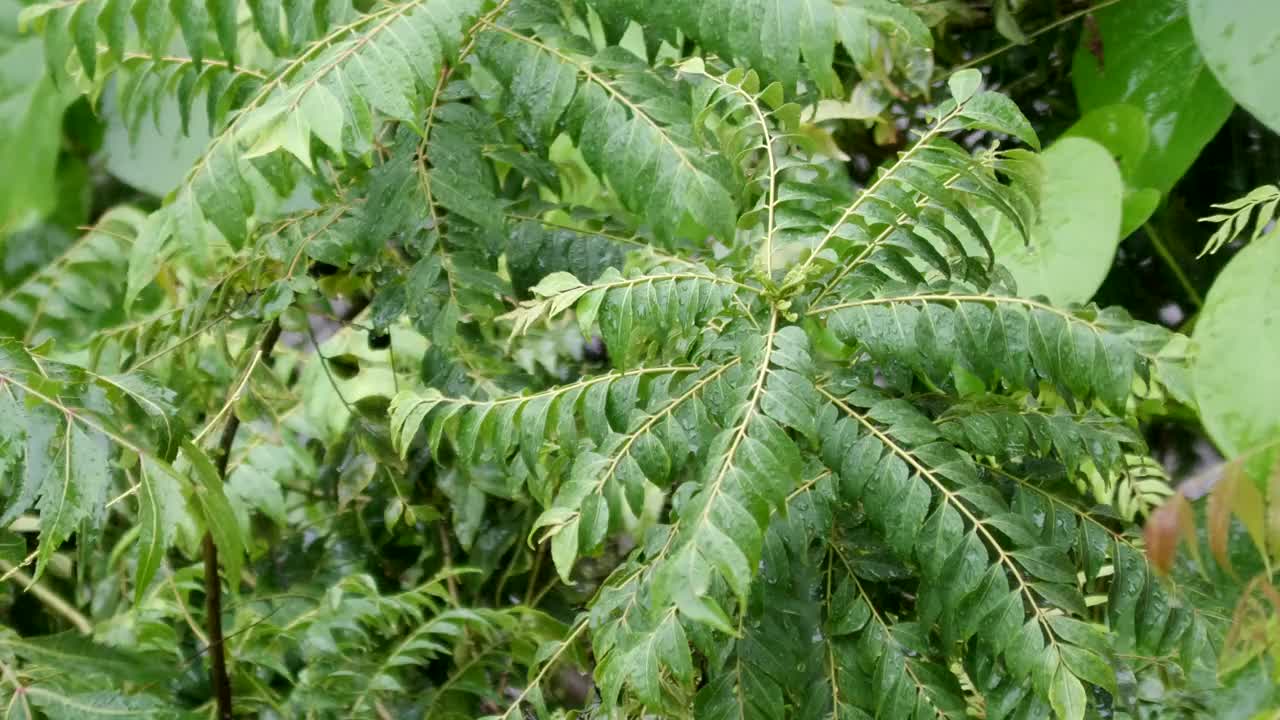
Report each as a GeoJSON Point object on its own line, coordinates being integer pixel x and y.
{"type": "Point", "coordinates": [212, 584]}
{"type": "Point", "coordinates": [1163, 251]}
{"type": "Point", "coordinates": [48, 597]}
{"type": "Point", "coordinates": [1071, 17]}
{"type": "Point", "coordinates": [537, 679]}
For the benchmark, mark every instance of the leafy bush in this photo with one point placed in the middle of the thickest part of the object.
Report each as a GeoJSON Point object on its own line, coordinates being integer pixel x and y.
{"type": "Point", "coordinates": [543, 358]}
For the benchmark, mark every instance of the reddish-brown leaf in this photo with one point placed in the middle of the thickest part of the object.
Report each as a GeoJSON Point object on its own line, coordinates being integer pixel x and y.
{"type": "Point", "coordinates": [1273, 512]}
{"type": "Point", "coordinates": [1162, 535]}
{"type": "Point", "coordinates": [1218, 515]}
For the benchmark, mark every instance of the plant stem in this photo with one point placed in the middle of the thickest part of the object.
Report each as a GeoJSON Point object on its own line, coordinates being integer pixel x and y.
{"type": "Point", "coordinates": [1183, 280]}
{"type": "Point", "coordinates": [48, 597]}
{"type": "Point", "coordinates": [212, 585]}
{"type": "Point", "coordinates": [1032, 35]}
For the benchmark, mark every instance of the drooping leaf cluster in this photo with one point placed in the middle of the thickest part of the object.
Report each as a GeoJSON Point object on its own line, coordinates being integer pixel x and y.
{"type": "Point", "coordinates": [579, 287]}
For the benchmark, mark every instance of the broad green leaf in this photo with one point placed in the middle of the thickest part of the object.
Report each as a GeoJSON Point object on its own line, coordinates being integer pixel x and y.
{"type": "Point", "coordinates": [1240, 42]}
{"type": "Point", "coordinates": [1074, 241]}
{"type": "Point", "coordinates": [1123, 130]}
{"type": "Point", "coordinates": [1150, 60]}
{"type": "Point", "coordinates": [1237, 371]}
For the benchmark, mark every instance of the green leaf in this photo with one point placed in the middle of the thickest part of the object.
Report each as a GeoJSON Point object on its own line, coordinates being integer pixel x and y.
{"type": "Point", "coordinates": [1240, 42]}
{"type": "Point", "coordinates": [78, 654]}
{"type": "Point", "coordinates": [193, 18]}
{"type": "Point", "coordinates": [1089, 666]}
{"type": "Point", "coordinates": [210, 502]}
{"type": "Point", "coordinates": [1176, 94]}
{"type": "Point", "coordinates": [408, 410]}
{"type": "Point", "coordinates": [993, 111]}
{"type": "Point", "coordinates": [1074, 241]}
{"type": "Point", "coordinates": [30, 126]}
{"type": "Point", "coordinates": [74, 491]}
{"type": "Point", "coordinates": [1067, 695]}
{"type": "Point", "coordinates": [1235, 335]}
{"type": "Point", "coordinates": [964, 84]}
{"type": "Point", "coordinates": [1122, 129]}
{"type": "Point", "coordinates": [564, 550]}
{"type": "Point", "coordinates": [656, 172]}
{"type": "Point", "coordinates": [159, 512]}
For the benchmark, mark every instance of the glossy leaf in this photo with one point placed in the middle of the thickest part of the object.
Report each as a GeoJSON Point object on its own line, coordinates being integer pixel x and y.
{"type": "Point", "coordinates": [1151, 61]}
{"type": "Point", "coordinates": [1074, 242]}
{"type": "Point", "coordinates": [1233, 335]}
{"type": "Point", "coordinates": [1239, 44]}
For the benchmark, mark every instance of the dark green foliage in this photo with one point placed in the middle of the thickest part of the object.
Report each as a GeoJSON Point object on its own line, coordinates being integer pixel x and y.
{"type": "Point", "coordinates": [737, 439]}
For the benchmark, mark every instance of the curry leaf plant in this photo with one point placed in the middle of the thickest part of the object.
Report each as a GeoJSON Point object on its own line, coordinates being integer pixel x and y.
{"type": "Point", "coordinates": [540, 359]}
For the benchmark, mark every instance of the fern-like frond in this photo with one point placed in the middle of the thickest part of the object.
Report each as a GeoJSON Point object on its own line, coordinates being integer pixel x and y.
{"type": "Point", "coordinates": [1103, 455]}
{"type": "Point", "coordinates": [629, 124]}
{"type": "Point", "coordinates": [364, 646]}
{"type": "Point", "coordinates": [888, 669]}
{"type": "Point", "coordinates": [1266, 199]}
{"type": "Point", "coordinates": [60, 427]}
{"type": "Point", "coordinates": [71, 296]}
{"type": "Point", "coordinates": [1084, 354]}
{"type": "Point", "coordinates": [986, 570]}
{"type": "Point", "coordinates": [487, 428]}
{"type": "Point", "coordinates": [640, 315]}
{"type": "Point", "coordinates": [430, 639]}
{"type": "Point", "coordinates": [208, 29]}
{"type": "Point", "coordinates": [146, 81]}
{"type": "Point", "coordinates": [712, 549]}
{"type": "Point", "coordinates": [750, 467]}
{"type": "Point", "coordinates": [760, 672]}
{"type": "Point", "coordinates": [652, 449]}
{"type": "Point", "coordinates": [757, 141]}
{"type": "Point", "coordinates": [383, 64]}
{"type": "Point", "coordinates": [1132, 591]}
{"type": "Point", "coordinates": [901, 225]}
{"type": "Point", "coordinates": [1011, 431]}
{"type": "Point", "coordinates": [789, 41]}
